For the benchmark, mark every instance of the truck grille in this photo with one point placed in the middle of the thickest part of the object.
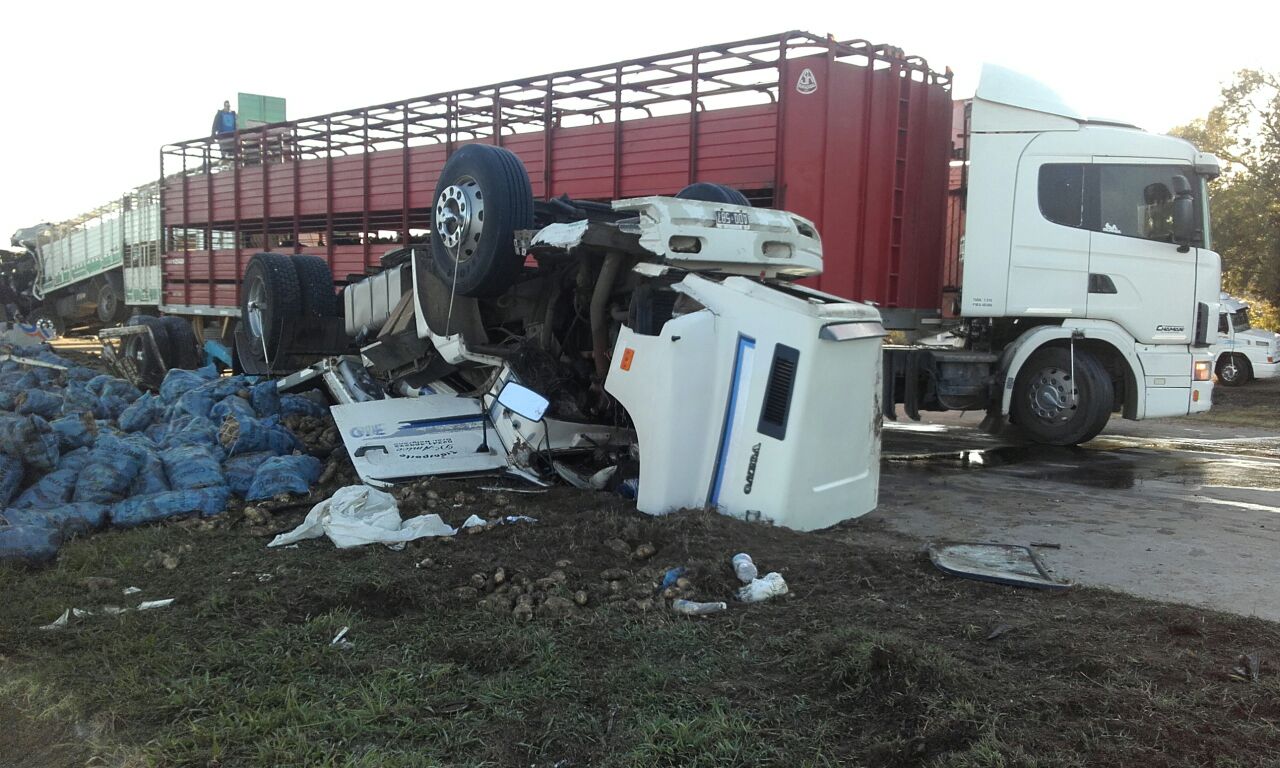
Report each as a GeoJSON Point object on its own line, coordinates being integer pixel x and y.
{"type": "Point", "coordinates": [777, 396]}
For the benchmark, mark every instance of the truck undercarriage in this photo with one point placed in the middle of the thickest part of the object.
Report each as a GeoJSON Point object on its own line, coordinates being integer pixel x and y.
{"type": "Point", "coordinates": [658, 342]}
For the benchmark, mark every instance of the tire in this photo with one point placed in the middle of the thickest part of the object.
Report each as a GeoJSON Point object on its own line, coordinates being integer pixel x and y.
{"type": "Point", "coordinates": [150, 368]}
{"type": "Point", "coordinates": [111, 307]}
{"type": "Point", "coordinates": [50, 324]}
{"type": "Point", "coordinates": [269, 299]}
{"type": "Point", "coordinates": [315, 287]}
{"type": "Point", "coordinates": [184, 352]}
{"type": "Point", "coordinates": [483, 196]}
{"type": "Point", "coordinates": [1234, 370]}
{"type": "Point", "coordinates": [713, 193]}
{"type": "Point", "coordinates": [1041, 397]}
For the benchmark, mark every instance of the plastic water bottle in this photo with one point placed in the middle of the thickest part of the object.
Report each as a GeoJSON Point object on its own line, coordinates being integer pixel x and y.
{"type": "Point", "coordinates": [692, 608]}
{"type": "Point", "coordinates": [744, 567]}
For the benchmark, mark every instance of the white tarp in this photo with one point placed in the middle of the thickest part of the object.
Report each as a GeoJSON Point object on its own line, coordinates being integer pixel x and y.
{"type": "Point", "coordinates": [358, 514]}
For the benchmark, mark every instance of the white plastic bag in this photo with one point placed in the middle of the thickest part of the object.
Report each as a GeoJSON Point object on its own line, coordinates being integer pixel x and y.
{"type": "Point", "coordinates": [763, 588]}
{"type": "Point", "coordinates": [358, 514]}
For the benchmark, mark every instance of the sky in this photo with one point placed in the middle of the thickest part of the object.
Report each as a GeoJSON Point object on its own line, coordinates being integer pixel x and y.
{"type": "Point", "coordinates": [92, 90]}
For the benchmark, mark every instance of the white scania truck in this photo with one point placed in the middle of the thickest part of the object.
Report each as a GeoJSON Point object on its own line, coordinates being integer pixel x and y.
{"type": "Point", "coordinates": [1089, 283]}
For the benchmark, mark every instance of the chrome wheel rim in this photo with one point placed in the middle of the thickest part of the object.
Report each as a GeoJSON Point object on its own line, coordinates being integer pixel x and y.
{"type": "Point", "coordinates": [1230, 371]}
{"type": "Point", "coordinates": [459, 217]}
{"type": "Point", "coordinates": [1052, 395]}
{"type": "Point", "coordinates": [46, 327]}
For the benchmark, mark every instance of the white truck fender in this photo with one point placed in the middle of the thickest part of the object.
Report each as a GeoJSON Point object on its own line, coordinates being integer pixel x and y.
{"type": "Point", "coordinates": [1015, 355]}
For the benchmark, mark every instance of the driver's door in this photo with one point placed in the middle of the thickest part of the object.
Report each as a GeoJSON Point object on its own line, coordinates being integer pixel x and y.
{"type": "Point", "coordinates": [1138, 277]}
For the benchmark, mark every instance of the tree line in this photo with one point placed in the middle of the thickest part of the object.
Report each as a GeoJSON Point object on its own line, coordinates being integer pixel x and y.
{"type": "Point", "coordinates": [1243, 130]}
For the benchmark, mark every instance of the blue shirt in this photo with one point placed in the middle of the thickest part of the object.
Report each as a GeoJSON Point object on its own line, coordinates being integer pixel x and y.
{"type": "Point", "coordinates": [224, 122]}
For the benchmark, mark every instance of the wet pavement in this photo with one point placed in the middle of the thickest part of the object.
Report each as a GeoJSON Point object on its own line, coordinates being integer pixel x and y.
{"type": "Point", "coordinates": [1193, 518]}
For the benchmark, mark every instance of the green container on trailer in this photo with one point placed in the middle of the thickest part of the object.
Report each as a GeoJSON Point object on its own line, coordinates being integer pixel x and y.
{"type": "Point", "coordinates": [256, 109]}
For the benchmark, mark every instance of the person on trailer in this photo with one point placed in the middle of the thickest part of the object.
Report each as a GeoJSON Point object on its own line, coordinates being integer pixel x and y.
{"type": "Point", "coordinates": [224, 129]}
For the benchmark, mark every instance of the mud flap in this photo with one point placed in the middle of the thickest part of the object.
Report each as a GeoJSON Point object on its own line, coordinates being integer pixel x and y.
{"type": "Point", "coordinates": [399, 438]}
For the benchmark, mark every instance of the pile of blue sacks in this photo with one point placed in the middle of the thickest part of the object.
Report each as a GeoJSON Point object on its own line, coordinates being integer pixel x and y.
{"type": "Point", "coordinates": [80, 450]}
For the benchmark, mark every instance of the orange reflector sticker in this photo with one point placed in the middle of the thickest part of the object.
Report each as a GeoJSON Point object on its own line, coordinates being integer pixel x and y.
{"type": "Point", "coordinates": [628, 355]}
{"type": "Point", "coordinates": [1195, 395]}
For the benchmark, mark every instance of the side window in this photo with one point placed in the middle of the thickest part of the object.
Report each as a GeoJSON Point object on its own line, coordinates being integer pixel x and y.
{"type": "Point", "coordinates": [1128, 200]}
{"type": "Point", "coordinates": [1137, 200]}
{"type": "Point", "coordinates": [1062, 193]}
{"type": "Point", "coordinates": [1222, 324]}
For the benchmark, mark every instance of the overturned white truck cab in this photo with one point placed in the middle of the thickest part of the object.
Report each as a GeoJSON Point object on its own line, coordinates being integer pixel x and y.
{"type": "Point", "coordinates": [657, 345]}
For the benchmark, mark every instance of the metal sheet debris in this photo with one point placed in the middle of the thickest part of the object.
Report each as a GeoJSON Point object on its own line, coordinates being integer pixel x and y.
{"type": "Point", "coordinates": [412, 436]}
{"type": "Point", "coordinates": [996, 563]}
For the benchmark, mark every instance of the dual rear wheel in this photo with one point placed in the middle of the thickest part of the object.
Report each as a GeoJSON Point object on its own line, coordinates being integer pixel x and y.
{"type": "Point", "coordinates": [278, 290]}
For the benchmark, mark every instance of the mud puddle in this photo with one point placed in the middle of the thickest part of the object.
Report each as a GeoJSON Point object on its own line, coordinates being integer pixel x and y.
{"type": "Point", "coordinates": [1104, 468]}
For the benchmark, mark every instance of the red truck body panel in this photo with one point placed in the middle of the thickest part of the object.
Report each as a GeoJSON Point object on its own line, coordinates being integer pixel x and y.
{"type": "Point", "coordinates": [856, 137]}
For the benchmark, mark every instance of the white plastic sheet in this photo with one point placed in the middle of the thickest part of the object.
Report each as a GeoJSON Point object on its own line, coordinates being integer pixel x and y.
{"type": "Point", "coordinates": [357, 515]}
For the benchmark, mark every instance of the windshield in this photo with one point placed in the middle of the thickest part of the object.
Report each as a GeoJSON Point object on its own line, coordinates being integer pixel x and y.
{"type": "Point", "coordinates": [1240, 319]}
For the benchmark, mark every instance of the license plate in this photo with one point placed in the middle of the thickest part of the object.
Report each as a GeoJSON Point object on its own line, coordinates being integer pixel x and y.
{"type": "Point", "coordinates": [732, 219]}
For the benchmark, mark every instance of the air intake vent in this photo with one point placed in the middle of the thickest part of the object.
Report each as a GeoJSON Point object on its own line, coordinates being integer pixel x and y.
{"type": "Point", "coordinates": [777, 396]}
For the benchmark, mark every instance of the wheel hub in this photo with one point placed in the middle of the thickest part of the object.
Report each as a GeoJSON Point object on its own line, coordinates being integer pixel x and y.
{"type": "Point", "coordinates": [1229, 371]}
{"type": "Point", "coordinates": [257, 301]}
{"type": "Point", "coordinates": [459, 217]}
{"type": "Point", "coordinates": [1052, 395]}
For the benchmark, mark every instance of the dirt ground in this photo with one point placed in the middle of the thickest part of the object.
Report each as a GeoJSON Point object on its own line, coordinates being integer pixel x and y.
{"type": "Point", "coordinates": [874, 657]}
{"type": "Point", "coordinates": [1256, 404]}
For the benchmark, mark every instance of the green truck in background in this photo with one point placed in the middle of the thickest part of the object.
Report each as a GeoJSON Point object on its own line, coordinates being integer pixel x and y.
{"type": "Point", "coordinates": [91, 270]}
{"type": "Point", "coordinates": [100, 267]}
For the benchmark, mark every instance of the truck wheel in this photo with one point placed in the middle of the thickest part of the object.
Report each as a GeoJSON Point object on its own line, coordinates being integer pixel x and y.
{"type": "Point", "coordinates": [111, 307]}
{"type": "Point", "coordinates": [1234, 369]}
{"type": "Point", "coordinates": [150, 367]}
{"type": "Point", "coordinates": [483, 196]}
{"type": "Point", "coordinates": [1055, 409]}
{"type": "Point", "coordinates": [269, 298]}
{"type": "Point", "coordinates": [184, 352]}
{"type": "Point", "coordinates": [48, 322]}
{"type": "Point", "coordinates": [315, 287]}
{"type": "Point", "coordinates": [713, 193]}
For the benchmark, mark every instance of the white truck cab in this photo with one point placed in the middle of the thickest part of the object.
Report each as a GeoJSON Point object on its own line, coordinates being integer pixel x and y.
{"type": "Point", "coordinates": [1087, 247]}
{"type": "Point", "coordinates": [1242, 353]}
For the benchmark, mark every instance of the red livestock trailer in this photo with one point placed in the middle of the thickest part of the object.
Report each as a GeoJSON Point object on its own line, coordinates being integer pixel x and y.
{"type": "Point", "coordinates": [853, 135]}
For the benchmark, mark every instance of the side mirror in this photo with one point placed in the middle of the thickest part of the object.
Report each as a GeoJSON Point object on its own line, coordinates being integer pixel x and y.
{"type": "Point", "coordinates": [518, 398]}
{"type": "Point", "coordinates": [1184, 211]}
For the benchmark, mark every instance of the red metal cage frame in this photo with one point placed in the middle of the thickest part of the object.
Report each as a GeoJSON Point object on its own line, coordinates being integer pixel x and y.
{"type": "Point", "coordinates": [366, 170]}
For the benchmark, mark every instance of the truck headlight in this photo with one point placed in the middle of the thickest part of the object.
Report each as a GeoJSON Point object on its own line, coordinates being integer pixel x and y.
{"type": "Point", "coordinates": [1202, 370]}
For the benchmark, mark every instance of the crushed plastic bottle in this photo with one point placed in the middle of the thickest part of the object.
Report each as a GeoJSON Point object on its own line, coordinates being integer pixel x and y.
{"type": "Point", "coordinates": [694, 608]}
{"type": "Point", "coordinates": [763, 588]}
{"type": "Point", "coordinates": [744, 568]}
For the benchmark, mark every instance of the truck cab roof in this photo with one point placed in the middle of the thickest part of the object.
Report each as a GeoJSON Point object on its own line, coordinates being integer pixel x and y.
{"type": "Point", "coordinates": [1011, 102]}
